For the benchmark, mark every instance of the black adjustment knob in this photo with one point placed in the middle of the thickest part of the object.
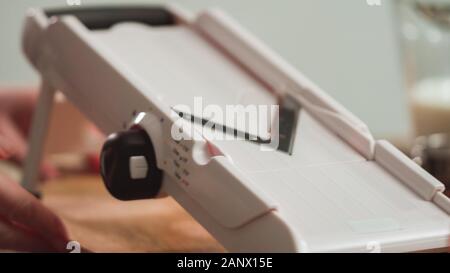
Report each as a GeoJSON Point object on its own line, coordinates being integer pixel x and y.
{"type": "Point", "coordinates": [128, 166]}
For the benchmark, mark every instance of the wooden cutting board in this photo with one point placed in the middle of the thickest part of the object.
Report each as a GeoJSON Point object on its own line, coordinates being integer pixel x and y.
{"type": "Point", "coordinates": [101, 223]}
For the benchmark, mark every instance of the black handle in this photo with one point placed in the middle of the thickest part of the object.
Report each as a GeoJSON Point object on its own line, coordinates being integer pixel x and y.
{"type": "Point", "coordinates": [115, 163]}
{"type": "Point", "coordinates": [105, 17]}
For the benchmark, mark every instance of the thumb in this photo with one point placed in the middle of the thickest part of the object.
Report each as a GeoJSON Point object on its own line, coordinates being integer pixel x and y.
{"type": "Point", "coordinates": [15, 238]}
{"type": "Point", "coordinates": [20, 207]}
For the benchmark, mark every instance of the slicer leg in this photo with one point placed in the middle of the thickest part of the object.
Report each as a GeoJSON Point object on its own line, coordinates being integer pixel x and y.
{"type": "Point", "coordinates": [38, 132]}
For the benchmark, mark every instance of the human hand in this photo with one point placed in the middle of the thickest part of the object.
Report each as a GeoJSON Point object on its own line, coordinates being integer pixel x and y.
{"type": "Point", "coordinates": [16, 109]}
{"type": "Point", "coordinates": [25, 223]}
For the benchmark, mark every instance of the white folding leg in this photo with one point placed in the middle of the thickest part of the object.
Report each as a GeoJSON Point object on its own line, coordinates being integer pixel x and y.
{"type": "Point", "coordinates": [38, 133]}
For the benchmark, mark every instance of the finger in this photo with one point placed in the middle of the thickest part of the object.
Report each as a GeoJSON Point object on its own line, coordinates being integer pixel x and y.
{"type": "Point", "coordinates": [19, 206]}
{"type": "Point", "coordinates": [16, 145]}
{"type": "Point", "coordinates": [4, 153]}
{"type": "Point", "coordinates": [22, 113]}
{"type": "Point", "coordinates": [14, 98]}
{"type": "Point", "coordinates": [16, 239]}
{"type": "Point", "coordinates": [12, 138]}
{"type": "Point", "coordinates": [6, 149]}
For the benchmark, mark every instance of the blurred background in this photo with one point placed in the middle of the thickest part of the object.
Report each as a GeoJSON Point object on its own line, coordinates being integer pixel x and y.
{"type": "Point", "coordinates": [349, 48]}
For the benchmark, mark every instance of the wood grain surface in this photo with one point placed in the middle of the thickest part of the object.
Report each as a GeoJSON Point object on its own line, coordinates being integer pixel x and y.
{"type": "Point", "coordinates": [101, 223]}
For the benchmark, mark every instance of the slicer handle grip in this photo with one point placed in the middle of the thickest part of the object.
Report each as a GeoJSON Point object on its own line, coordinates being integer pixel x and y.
{"type": "Point", "coordinates": [128, 166]}
{"type": "Point", "coordinates": [105, 17]}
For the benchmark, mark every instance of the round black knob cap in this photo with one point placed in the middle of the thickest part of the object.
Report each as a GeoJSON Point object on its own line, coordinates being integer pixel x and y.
{"type": "Point", "coordinates": [128, 166]}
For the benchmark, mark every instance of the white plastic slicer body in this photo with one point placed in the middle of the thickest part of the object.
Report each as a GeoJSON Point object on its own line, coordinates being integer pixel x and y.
{"type": "Point", "coordinates": [337, 189]}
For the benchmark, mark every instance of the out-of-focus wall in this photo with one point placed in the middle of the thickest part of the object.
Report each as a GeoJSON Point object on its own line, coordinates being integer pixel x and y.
{"type": "Point", "coordinates": [347, 46]}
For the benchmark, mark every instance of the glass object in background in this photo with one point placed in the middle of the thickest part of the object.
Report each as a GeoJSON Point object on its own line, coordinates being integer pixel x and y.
{"type": "Point", "coordinates": [425, 31]}
{"type": "Point", "coordinates": [434, 154]}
